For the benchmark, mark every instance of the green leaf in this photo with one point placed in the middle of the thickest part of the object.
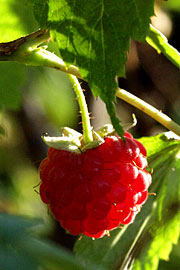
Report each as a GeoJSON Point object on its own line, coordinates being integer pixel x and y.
{"type": "Point", "coordinates": [164, 227]}
{"type": "Point", "coordinates": [19, 249]}
{"type": "Point", "coordinates": [160, 43]}
{"type": "Point", "coordinates": [157, 144]}
{"type": "Point", "coordinates": [140, 245]}
{"type": "Point", "coordinates": [12, 79]}
{"type": "Point", "coordinates": [10, 259]}
{"type": "Point", "coordinates": [94, 35]}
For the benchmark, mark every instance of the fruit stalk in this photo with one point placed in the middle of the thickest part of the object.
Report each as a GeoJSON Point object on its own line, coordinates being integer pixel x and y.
{"type": "Point", "coordinates": [149, 110]}
{"type": "Point", "coordinates": [87, 129]}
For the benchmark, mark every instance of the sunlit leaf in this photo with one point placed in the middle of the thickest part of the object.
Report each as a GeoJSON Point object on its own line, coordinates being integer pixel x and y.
{"type": "Point", "coordinates": [94, 35]}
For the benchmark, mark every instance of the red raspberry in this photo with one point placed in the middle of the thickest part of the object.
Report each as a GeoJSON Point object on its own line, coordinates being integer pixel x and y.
{"type": "Point", "coordinates": [94, 192]}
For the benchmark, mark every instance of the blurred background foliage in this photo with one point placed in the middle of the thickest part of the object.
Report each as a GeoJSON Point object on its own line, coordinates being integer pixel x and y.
{"type": "Point", "coordinates": [36, 100]}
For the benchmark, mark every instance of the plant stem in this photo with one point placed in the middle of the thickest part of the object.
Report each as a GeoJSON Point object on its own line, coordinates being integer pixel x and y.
{"type": "Point", "coordinates": [87, 129]}
{"type": "Point", "coordinates": [160, 43]}
{"type": "Point", "coordinates": [24, 50]}
{"type": "Point", "coordinates": [148, 109]}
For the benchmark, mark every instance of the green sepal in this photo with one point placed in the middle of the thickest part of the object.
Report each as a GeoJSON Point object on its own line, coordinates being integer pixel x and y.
{"type": "Point", "coordinates": [91, 145]}
{"type": "Point", "coordinates": [62, 143]}
{"type": "Point", "coordinates": [66, 131]}
{"type": "Point", "coordinates": [127, 126]}
{"type": "Point", "coordinates": [98, 140]}
{"type": "Point", "coordinates": [108, 129]}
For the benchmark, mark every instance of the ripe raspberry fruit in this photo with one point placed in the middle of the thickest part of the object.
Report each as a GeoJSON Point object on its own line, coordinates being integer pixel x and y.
{"type": "Point", "coordinates": [96, 191]}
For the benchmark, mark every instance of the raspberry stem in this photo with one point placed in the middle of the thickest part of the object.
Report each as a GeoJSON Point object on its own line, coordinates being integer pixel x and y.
{"type": "Point", "coordinates": [87, 129]}
{"type": "Point", "coordinates": [149, 110]}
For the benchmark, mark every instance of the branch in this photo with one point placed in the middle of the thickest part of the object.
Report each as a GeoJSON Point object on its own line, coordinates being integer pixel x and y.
{"type": "Point", "coordinates": [8, 49]}
{"type": "Point", "coordinates": [25, 50]}
{"type": "Point", "coordinates": [149, 110]}
{"type": "Point", "coordinates": [160, 43]}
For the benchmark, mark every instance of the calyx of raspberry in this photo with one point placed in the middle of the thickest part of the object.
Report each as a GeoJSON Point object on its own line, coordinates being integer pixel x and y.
{"type": "Point", "coordinates": [72, 141]}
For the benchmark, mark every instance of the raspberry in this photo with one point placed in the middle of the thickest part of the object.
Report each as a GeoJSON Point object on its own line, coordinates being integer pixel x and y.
{"type": "Point", "coordinates": [96, 191]}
